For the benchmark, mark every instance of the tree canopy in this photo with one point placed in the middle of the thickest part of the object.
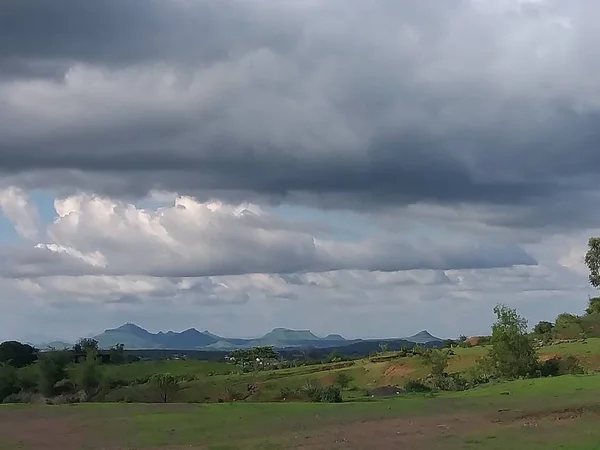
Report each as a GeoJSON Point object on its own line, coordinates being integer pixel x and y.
{"type": "Point", "coordinates": [592, 261]}
{"type": "Point", "coordinates": [593, 306]}
{"type": "Point", "coordinates": [16, 354]}
{"type": "Point", "coordinates": [512, 353]}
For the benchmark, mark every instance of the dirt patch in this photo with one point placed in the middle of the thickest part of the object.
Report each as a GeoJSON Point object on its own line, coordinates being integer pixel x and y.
{"type": "Point", "coordinates": [396, 371]}
{"type": "Point", "coordinates": [45, 433]}
{"type": "Point", "coordinates": [549, 356]}
{"type": "Point", "coordinates": [388, 434]}
{"type": "Point", "coordinates": [560, 415]}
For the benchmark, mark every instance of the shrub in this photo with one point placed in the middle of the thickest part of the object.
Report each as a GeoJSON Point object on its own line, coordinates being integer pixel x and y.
{"type": "Point", "coordinates": [330, 394]}
{"type": "Point", "coordinates": [51, 369]}
{"type": "Point", "coordinates": [416, 386]}
{"type": "Point", "coordinates": [64, 386]}
{"type": "Point", "coordinates": [21, 397]}
{"type": "Point", "coordinates": [165, 385]}
{"type": "Point", "coordinates": [343, 380]}
{"type": "Point", "coordinates": [89, 375]}
{"type": "Point", "coordinates": [233, 395]}
{"type": "Point", "coordinates": [569, 365]}
{"type": "Point", "coordinates": [8, 381]}
{"type": "Point", "coordinates": [559, 365]}
{"type": "Point", "coordinates": [437, 360]}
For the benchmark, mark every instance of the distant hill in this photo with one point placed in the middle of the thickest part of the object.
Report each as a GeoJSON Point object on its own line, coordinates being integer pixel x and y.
{"type": "Point", "coordinates": [423, 337]}
{"type": "Point", "coordinates": [283, 334]}
{"type": "Point", "coordinates": [134, 337]}
{"type": "Point", "coordinates": [334, 337]}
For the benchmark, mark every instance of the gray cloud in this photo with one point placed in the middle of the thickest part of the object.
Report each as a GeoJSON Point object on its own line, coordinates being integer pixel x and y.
{"type": "Point", "coordinates": [353, 105]}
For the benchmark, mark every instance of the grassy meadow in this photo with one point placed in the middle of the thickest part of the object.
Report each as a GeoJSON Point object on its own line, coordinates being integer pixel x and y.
{"type": "Point", "coordinates": [548, 413]}
{"type": "Point", "coordinates": [541, 413]}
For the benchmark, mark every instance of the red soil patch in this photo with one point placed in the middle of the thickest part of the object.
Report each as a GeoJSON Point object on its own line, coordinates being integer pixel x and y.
{"type": "Point", "coordinates": [473, 341]}
{"type": "Point", "coordinates": [550, 356]}
{"type": "Point", "coordinates": [395, 371]}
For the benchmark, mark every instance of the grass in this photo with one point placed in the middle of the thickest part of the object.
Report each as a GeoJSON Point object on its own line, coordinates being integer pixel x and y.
{"type": "Point", "coordinates": [365, 374]}
{"type": "Point", "coordinates": [248, 425]}
{"type": "Point", "coordinates": [252, 425]}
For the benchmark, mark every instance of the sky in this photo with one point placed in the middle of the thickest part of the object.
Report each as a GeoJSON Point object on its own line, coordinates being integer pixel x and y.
{"type": "Point", "coordinates": [365, 168]}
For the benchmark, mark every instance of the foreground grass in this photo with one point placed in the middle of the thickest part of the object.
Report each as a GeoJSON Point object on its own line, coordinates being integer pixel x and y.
{"type": "Point", "coordinates": [276, 425]}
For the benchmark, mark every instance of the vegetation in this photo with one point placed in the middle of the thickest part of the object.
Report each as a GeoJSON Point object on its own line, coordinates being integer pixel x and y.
{"type": "Point", "coordinates": [165, 385]}
{"type": "Point", "coordinates": [16, 354]}
{"type": "Point", "coordinates": [512, 353]}
{"type": "Point", "coordinates": [51, 368]}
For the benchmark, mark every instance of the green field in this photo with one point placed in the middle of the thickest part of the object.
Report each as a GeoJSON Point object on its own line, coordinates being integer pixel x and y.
{"type": "Point", "coordinates": [209, 381]}
{"type": "Point", "coordinates": [551, 413]}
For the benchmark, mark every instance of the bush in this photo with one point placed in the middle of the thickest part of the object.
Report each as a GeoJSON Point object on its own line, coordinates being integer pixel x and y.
{"type": "Point", "coordinates": [8, 381]}
{"type": "Point", "coordinates": [21, 397]}
{"type": "Point", "coordinates": [330, 394]}
{"type": "Point", "coordinates": [343, 380]}
{"type": "Point", "coordinates": [447, 382]}
{"type": "Point", "coordinates": [233, 395]}
{"type": "Point", "coordinates": [165, 385]}
{"type": "Point", "coordinates": [559, 365]}
{"type": "Point", "coordinates": [89, 375]}
{"type": "Point", "coordinates": [416, 386]}
{"type": "Point", "coordinates": [51, 369]}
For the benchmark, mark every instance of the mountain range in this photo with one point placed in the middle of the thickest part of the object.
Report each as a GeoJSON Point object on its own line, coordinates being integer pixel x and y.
{"type": "Point", "coordinates": [134, 337]}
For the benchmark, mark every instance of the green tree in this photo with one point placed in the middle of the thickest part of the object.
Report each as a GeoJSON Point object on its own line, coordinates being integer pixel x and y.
{"type": "Point", "coordinates": [117, 354]}
{"type": "Point", "coordinates": [9, 383]}
{"type": "Point", "coordinates": [593, 306]}
{"type": "Point", "coordinates": [85, 345]}
{"type": "Point", "coordinates": [51, 368]}
{"type": "Point", "coordinates": [543, 327]}
{"type": "Point", "coordinates": [343, 380]}
{"type": "Point", "coordinates": [512, 353]}
{"type": "Point", "coordinates": [16, 354]}
{"type": "Point", "coordinates": [437, 360]}
{"type": "Point", "coordinates": [89, 374]}
{"type": "Point", "coordinates": [592, 261]}
{"type": "Point", "coordinates": [166, 386]}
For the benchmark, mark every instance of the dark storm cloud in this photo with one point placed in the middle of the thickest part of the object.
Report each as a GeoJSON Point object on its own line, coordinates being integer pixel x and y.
{"type": "Point", "coordinates": [121, 33]}
{"type": "Point", "coordinates": [362, 104]}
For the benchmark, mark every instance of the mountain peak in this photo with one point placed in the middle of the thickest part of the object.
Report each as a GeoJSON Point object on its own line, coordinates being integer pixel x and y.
{"type": "Point", "coordinates": [132, 327]}
{"type": "Point", "coordinates": [422, 337]}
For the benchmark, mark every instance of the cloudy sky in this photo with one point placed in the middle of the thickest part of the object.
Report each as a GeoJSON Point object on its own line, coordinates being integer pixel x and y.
{"type": "Point", "coordinates": [364, 168]}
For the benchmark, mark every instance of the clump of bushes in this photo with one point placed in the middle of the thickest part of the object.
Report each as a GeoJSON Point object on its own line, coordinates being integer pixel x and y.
{"type": "Point", "coordinates": [558, 365]}
{"type": "Point", "coordinates": [314, 392]}
{"type": "Point", "coordinates": [417, 386]}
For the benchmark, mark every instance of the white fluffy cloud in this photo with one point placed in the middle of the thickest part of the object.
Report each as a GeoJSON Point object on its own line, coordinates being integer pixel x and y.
{"type": "Point", "coordinates": [94, 235]}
